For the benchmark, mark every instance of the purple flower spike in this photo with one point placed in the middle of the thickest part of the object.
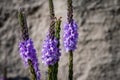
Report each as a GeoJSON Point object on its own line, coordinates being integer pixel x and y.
{"type": "Point", "coordinates": [70, 36]}
{"type": "Point", "coordinates": [50, 51]}
{"type": "Point", "coordinates": [27, 51]}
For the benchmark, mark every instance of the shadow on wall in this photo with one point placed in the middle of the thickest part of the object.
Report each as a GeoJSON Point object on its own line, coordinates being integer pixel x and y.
{"type": "Point", "coordinates": [18, 78]}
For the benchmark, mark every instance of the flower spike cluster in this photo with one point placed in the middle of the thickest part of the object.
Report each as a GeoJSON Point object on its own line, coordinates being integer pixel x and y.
{"type": "Point", "coordinates": [50, 51]}
{"type": "Point", "coordinates": [70, 36]}
{"type": "Point", "coordinates": [26, 48]}
{"type": "Point", "coordinates": [27, 52]}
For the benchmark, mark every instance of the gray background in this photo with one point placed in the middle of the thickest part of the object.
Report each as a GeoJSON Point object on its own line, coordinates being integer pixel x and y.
{"type": "Point", "coordinates": [98, 50]}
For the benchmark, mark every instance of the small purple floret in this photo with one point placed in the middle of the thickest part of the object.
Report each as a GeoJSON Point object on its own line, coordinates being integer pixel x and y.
{"type": "Point", "coordinates": [50, 51]}
{"type": "Point", "coordinates": [27, 51]}
{"type": "Point", "coordinates": [70, 36]}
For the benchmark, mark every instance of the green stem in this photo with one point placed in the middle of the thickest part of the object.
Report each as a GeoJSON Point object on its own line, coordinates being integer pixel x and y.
{"type": "Point", "coordinates": [23, 24]}
{"type": "Point", "coordinates": [57, 35]}
{"type": "Point", "coordinates": [51, 8]}
{"type": "Point", "coordinates": [52, 18]}
{"type": "Point", "coordinates": [70, 77]}
{"type": "Point", "coordinates": [70, 10]}
{"type": "Point", "coordinates": [57, 30]}
{"type": "Point", "coordinates": [56, 70]}
{"type": "Point", "coordinates": [33, 74]}
{"type": "Point", "coordinates": [50, 72]}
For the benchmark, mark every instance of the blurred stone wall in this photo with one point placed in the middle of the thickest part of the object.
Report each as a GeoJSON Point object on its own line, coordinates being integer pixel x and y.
{"type": "Point", "coordinates": [98, 54]}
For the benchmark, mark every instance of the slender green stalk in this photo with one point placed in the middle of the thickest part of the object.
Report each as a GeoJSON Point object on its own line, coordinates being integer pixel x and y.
{"type": "Point", "coordinates": [52, 18]}
{"type": "Point", "coordinates": [33, 76]}
{"type": "Point", "coordinates": [55, 70]}
{"type": "Point", "coordinates": [57, 29]}
{"type": "Point", "coordinates": [25, 36]}
{"type": "Point", "coordinates": [70, 10]}
{"type": "Point", "coordinates": [51, 9]}
{"type": "Point", "coordinates": [50, 72]}
{"type": "Point", "coordinates": [23, 24]}
{"type": "Point", "coordinates": [57, 35]}
{"type": "Point", "coordinates": [70, 65]}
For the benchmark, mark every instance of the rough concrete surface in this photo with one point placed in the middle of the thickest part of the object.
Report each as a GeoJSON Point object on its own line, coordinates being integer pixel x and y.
{"type": "Point", "coordinates": [98, 50]}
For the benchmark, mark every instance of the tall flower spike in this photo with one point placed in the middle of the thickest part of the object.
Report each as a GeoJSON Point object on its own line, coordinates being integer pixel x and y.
{"type": "Point", "coordinates": [51, 36]}
{"type": "Point", "coordinates": [26, 48]}
{"type": "Point", "coordinates": [50, 50]}
{"type": "Point", "coordinates": [70, 36]}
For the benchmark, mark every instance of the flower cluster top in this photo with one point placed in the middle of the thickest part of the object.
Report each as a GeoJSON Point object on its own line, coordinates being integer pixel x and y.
{"type": "Point", "coordinates": [27, 52]}
{"type": "Point", "coordinates": [50, 51]}
{"type": "Point", "coordinates": [70, 36]}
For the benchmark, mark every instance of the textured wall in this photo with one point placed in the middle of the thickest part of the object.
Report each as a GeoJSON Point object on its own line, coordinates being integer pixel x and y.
{"type": "Point", "coordinates": [98, 53]}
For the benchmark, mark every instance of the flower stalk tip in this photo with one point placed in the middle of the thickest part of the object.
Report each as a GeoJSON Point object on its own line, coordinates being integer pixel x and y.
{"type": "Point", "coordinates": [23, 24]}
{"type": "Point", "coordinates": [51, 9]}
{"type": "Point", "coordinates": [70, 11]}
